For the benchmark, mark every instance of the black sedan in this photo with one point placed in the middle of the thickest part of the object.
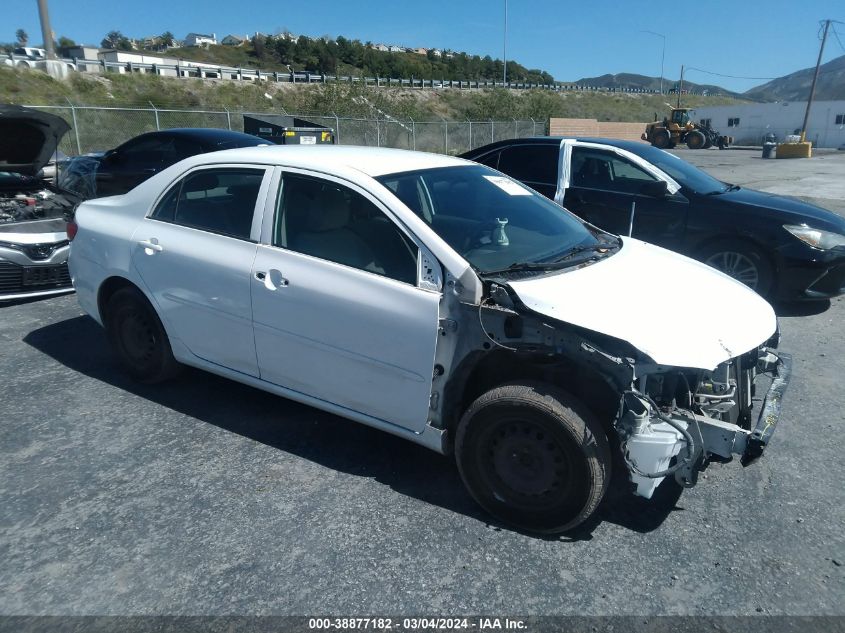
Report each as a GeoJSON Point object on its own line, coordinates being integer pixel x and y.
{"type": "Point", "coordinates": [123, 168]}
{"type": "Point", "coordinates": [781, 247]}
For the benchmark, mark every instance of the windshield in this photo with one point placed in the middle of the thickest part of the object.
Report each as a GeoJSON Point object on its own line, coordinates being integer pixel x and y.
{"type": "Point", "coordinates": [491, 220]}
{"type": "Point", "coordinates": [688, 176]}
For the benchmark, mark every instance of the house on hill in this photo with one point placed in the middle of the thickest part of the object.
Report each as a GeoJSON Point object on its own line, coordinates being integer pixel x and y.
{"type": "Point", "coordinates": [200, 39]}
{"type": "Point", "coordinates": [233, 40]}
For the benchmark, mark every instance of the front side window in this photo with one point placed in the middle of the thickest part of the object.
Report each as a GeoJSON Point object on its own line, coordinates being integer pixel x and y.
{"type": "Point", "coordinates": [329, 221]}
{"type": "Point", "coordinates": [215, 200]}
{"type": "Point", "coordinates": [491, 220]}
{"type": "Point", "coordinates": [598, 169]}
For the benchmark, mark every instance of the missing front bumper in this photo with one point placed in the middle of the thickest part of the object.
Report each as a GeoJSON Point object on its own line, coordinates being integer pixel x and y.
{"type": "Point", "coordinates": [657, 444]}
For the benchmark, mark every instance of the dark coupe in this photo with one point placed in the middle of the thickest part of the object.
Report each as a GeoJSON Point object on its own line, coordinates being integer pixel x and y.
{"type": "Point", "coordinates": [781, 247]}
{"type": "Point", "coordinates": [123, 168]}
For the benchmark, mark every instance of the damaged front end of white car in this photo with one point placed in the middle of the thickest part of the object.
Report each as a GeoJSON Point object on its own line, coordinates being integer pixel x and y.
{"type": "Point", "coordinates": [693, 383]}
{"type": "Point", "coordinates": [673, 423]}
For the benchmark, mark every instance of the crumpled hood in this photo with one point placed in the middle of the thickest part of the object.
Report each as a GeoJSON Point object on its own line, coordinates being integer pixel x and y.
{"type": "Point", "coordinates": [28, 138]}
{"type": "Point", "coordinates": [676, 310]}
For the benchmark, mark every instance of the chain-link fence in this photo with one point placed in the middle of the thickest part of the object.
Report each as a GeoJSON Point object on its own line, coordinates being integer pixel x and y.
{"type": "Point", "coordinates": [96, 128]}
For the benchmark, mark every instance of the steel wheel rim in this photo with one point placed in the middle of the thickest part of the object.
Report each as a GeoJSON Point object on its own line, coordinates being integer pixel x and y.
{"type": "Point", "coordinates": [526, 466]}
{"type": "Point", "coordinates": [137, 338]}
{"type": "Point", "coordinates": [736, 265]}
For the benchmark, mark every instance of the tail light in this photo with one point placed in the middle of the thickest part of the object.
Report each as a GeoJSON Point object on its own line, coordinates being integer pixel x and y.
{"type": "Point", "coordinates": [72, 228]}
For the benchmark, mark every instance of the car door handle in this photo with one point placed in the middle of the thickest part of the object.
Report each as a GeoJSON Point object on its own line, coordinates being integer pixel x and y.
{"type": "Point", "coordinates": [151, 246]}
{"type": "Point", "coordinates": [149, 170]}
{"type": "Point", "coordinates": [272, 280]}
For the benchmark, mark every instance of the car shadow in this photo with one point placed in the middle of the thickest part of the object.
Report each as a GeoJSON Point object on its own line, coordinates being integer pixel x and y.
{"type": "Point", "coordinates": [801, 308]}
{"type": "Point", "coordinates": [323, 438]}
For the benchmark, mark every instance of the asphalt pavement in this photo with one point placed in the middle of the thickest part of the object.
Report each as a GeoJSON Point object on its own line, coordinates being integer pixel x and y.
{"type": "Point", "coordinates": [203, 496]}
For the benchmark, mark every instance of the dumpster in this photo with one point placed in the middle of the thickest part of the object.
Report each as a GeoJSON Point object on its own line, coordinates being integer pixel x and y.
{"type": "Point", "coordinates": [288, 130]}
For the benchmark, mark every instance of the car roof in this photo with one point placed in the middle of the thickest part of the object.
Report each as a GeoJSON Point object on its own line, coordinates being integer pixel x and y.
{"type": "Point", "coordinates": [631, 146]}
{"type": "Point", "coordinates": [213, 135]}
{"type": "Point", "coordinates": [372, 161]}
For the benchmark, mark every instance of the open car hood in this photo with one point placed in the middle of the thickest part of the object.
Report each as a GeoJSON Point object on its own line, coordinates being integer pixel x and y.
{"type": "Point", "coordinates": [28, 138]}
{"type": "Point", "coordinates": [676, 310]}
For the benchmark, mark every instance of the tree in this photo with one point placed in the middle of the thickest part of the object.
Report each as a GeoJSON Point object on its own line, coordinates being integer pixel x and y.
{"type": "Point", "coordinates": [116, 39]}
{"type": "Point", "coordinates": [258, 46]}
{"type": "Point", "coordinates": [66, 42]}
{"type": "Point", "coordinates": [23, 38]}
{"type": "Point", "coordinates": [168, 39]}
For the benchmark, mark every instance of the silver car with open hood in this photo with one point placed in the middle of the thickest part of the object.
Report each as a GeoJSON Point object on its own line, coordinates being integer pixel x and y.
{"type": "Point", "coordinates": [33, 212]}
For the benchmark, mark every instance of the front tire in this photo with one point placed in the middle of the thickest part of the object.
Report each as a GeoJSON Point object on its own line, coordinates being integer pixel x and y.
{"type": "Point", "coordinates": [696, 140]}
{"type": "Point", "coordinates": [744, 262]}
{"type": "Point", "coordinates": [138, 337]}
{"type": "Point", "coordinates": [533, 456]}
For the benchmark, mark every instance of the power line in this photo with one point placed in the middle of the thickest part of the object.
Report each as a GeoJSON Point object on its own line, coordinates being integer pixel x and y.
{"type": "Point", "coordinates": [836, 35]}
{"type": "Point", "coordinates": [701, 70]}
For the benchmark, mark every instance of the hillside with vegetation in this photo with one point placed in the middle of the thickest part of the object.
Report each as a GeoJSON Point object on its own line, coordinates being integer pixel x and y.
{"type": "Point", "coordinates": [796, 86]}
{"type": "Point", "coordinates": [31, 87]}
{"type": "Point", "coordinates": [331, 56]}
{"type": "Point", "coordinates": [643, 82]}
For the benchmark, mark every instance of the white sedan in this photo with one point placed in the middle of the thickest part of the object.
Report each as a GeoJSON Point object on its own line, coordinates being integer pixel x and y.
{"type": "Point", "coordinates": [441, 301]}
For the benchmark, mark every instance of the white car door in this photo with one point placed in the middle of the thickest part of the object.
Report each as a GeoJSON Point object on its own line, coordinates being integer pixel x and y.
{"type": "Point", "coordinates": [337, 309]}
{"type": "Point", "coordinates": [194, 253]}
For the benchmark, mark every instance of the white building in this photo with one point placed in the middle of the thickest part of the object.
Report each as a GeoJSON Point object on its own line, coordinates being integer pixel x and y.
{"type": "Point", "coordinates": [750, 123]}
{"type": "Point", "coordinates": [142, 64]}
{"type": "Point", "coordinates": [200, 39]}
{"type": "Point", "coordinates": [234, 40]}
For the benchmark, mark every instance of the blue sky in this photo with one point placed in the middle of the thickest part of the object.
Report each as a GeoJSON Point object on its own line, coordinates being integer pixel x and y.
{"type": "Point", "coordinates": [750, 38]}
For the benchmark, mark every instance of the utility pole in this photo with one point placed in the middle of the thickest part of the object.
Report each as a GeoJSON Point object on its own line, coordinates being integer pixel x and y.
{"type": "Point", "coordinates": [681, 86]}
{"type": "Point", "coordinates": [46, 31]}
{"type": "Point", "coordinates": [505, 48]}
{"type": "Point", "coordinates": [813, 85]}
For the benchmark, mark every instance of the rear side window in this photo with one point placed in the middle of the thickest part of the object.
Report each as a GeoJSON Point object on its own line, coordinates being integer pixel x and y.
{"type": "Point", "coordinates": [215, 200]}
{"type": "Point", "coordinates": [531, 163]}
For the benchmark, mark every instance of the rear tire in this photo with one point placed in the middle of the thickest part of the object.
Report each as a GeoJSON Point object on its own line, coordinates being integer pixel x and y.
{"type": "Point", "coordinates": [138, 337]}
{"type": "Point", "coordinates": [533, 456]}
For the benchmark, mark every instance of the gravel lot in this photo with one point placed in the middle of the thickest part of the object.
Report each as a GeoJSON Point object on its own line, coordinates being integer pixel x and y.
{"type": "Point", "coordinates": [202, 496]}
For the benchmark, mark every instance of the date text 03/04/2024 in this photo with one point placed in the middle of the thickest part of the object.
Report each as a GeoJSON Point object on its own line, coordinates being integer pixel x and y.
{"type": "Point", "coordinates": [416, 624]}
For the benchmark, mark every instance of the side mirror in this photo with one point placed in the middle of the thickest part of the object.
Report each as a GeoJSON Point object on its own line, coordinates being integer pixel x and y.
{"type": "Point", "coordinates": [655, 189]}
